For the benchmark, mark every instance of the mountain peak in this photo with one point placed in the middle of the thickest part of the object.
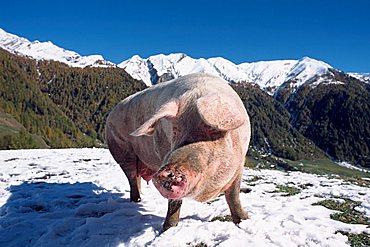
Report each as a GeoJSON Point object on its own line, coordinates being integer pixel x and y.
{"type": "Point", "coordinates": [314, 63]}
{"type": "Point", "coordinates": [48, 51]}
{"type": "Point", "coordinates": [136, 57]}
{"type": "Point", "coordinates": [307, 68]}
{"type": "Point", "coordinates": [268, 75]}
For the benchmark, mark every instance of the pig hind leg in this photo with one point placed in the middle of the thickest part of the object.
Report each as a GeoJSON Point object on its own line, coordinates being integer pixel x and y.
{"type": "Point", "coordinates": [124, 155]}
{"type": "Point", "coordinates": [232, 198]}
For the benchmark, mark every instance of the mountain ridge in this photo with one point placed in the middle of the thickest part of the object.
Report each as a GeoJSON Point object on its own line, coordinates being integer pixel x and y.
{"type": "Point", "coordinates": [49, 51]}
{"type": "Point", "coordinates": [268, 75]}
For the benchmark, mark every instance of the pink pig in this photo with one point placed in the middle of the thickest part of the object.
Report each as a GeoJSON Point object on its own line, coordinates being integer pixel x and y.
{"type": "Point", "coordinates": [190, 135]}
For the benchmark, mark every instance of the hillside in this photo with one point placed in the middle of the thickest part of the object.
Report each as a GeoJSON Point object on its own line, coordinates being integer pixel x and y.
{"type": "Point", "coordinates": [335, 117]}
{"type": "Point", "coordinates": [62, 105]}
{"type": "Point", "coordinates": [86, 95]}
{"type": "Point", "coordinates": [21, 98]}
{"type": "Point", "coordinates": [271, 131]}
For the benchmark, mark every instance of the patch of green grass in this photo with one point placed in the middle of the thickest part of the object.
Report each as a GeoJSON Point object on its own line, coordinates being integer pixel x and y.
{"type": "Point", "coordinates": [252, 180]}
{"type": "Point", "coordinates": [245, 190]}
{"type": "Point", "coordinates": [265, 162]}
{"type": "Point", "coordinates": [287, 190]}
{"type": "Point", "coordinates": [326, 167]}
{"type": "Point", "coordinates": [320, 167]}
{"type": "Point", "coordinates": [12, 138]}
{"type": "Point", "coordinates": [6, 130]}
{"type": "Point", "coordinates": [357, 181]}
{"type": "Point", "coordinates": [222, 218]}
{"type": "Point", "coordinates": [347, 213]}
{"type": "Point", "coordinates": [305, 186]}
{"type": "Point", "coordinates": [357, 240]}
{"type": "Point", "coordinates": [13, 135]}
{"type": "Point", "coordinates": [251, 162]}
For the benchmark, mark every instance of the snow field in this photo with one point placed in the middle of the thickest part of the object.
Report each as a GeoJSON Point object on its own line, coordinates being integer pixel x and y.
{"type": "Point", "coordinates": [80, 197]}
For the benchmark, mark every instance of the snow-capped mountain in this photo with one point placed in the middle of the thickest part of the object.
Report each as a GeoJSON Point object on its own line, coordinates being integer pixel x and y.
{"type": "Point", "coordinates": [48, 51]}
{"type": "Point", "coordinates": [361, 76]}
{"type": "Point", "coordinates": [268, 75]}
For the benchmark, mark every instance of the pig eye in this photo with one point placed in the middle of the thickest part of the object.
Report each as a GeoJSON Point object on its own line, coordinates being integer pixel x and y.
{"type": "Point", "coordinates": [215, 134]}
{"type": "Point", "coordinates": [175, 130]}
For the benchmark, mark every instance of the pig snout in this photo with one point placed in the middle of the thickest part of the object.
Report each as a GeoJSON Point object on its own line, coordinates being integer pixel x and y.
{"type": "Point", "coordinates": [171, 184]}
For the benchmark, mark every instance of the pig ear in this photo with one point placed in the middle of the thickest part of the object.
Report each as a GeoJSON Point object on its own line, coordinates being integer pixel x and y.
{"type": "Point", "coordinates": [218, 113]}
{"type": "Point", "coordinates": [168, 110]}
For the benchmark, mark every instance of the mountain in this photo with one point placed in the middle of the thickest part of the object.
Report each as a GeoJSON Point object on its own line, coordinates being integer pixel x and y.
{"type": "Point", "coordinates": [272, 132]}
{"type": "Point", "coordinates": [268, 75]}
{"type": "Point", "coordinates": [27, 114]}
{"type": "Point", "coordinates": [48, 51]}
{"type": "Point", "coordinates": [336, 117]}
{"type": "Point", "coordinates": [47, 103]}
{"type": "Point", "coordinates": [86, 95]}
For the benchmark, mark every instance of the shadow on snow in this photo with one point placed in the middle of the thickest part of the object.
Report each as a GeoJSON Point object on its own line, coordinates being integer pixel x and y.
{"type": "Point", "coordinates": [78, 214]}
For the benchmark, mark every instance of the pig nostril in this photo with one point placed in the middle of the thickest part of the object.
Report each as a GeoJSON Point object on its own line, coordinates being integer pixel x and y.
{"type": "Point", "coordinates": [176, 183]}
{"type": "Point", "coordinates": [171, 175]}
{"type": "Point", "coordinates": [167, 185]}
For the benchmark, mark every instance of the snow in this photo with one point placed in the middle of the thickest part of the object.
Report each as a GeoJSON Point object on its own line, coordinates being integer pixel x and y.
{"type": "Point", "coordinates": [365, 77]}
{"type": "Point", "coordinates": [307, 67]}
{"type": "Point", "coordinates": [137, 68]}
{"type": "Point", "coordinates": [80, 197]}
{"type": "Point", "coordinates": [48, 51]}
{"type": "Point", "coordinates": [350, 166]}
{"type": "Point", "coordinates": [268, 75]}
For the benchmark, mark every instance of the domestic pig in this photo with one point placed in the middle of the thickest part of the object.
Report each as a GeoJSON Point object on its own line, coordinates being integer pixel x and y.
{"type": "Point", "coordinates": [189, 135]}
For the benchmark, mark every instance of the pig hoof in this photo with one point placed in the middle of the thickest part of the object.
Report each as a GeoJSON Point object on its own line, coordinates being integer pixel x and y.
{"type": "Point", "coordinates": [165, 227]}
{"type": "Point", "coordinates": [237, 219]}
{"type": "Point", "coordinates": [138, 199]}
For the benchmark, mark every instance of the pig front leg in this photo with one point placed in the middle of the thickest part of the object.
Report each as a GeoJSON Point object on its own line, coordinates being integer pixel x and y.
{"type": "Point", "coordinates": [173, 214]}
{"type": "Point", "coordinates": [232, 198]}
{"type": "Point", "coordinates": [130, 169]}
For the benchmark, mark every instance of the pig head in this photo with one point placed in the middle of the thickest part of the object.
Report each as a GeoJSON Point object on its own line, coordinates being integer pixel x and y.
{"type": "Point", "coordinates": [189, 135]}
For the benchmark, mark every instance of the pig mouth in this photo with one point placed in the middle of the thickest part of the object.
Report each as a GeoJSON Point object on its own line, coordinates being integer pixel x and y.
{"type": "Point", "coordinates": [171, 185]}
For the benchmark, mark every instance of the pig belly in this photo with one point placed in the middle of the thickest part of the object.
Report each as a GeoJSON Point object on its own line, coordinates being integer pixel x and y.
{"type": "Point", "coordinates": [145, 172]}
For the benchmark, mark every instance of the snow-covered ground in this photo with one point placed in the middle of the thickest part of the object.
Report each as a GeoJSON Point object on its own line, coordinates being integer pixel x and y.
{"type": "Point", "coordinates": [80, 197]}
{"type": "Point", "coordinates": [350, 166]}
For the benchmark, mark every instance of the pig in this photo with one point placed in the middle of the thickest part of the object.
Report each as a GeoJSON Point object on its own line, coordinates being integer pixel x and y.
{"type": "Point", "coordinates": [189, 135]}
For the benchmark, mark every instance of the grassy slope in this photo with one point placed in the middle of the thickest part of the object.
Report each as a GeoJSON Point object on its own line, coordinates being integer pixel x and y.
{"type": "Point", "coordinates": [9, 126]}
{"type": "Point", "coordinates": [321, 167]}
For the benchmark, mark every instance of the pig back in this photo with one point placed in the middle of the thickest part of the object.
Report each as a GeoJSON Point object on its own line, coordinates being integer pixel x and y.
{"type": "Point", "coordinates": [139, 108]}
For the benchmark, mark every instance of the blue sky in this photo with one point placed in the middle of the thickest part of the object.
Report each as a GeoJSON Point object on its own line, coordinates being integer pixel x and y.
{"type": "Point", "coordinates": [337, 32]}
